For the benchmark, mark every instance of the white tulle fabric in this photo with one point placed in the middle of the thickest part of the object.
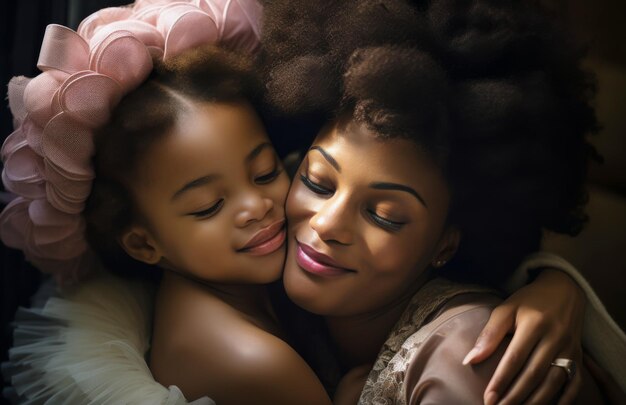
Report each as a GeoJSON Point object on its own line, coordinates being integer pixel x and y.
{"type": "Point", "coordinates": [87, 347]}
{"type": "Point", "coordinates": [47, 159]}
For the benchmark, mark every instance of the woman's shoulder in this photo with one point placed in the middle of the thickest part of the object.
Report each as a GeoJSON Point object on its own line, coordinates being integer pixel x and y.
{"type": "Point", "coordinates": [428, 363]}
{"type": "Point", "coordinates": [435, 369]}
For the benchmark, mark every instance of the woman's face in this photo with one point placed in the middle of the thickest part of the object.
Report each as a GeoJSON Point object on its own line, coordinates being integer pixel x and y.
{"type": "Point", "coordinates": [211, 197]}
{"type": "Point", "coordinates": [366, 218]}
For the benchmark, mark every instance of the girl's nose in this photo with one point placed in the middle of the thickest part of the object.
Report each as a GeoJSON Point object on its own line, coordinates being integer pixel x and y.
{"type": "Point", "coordinates": [254, 207]}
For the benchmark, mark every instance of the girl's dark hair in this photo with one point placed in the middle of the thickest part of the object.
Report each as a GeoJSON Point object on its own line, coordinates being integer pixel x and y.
{"type": "Point", "coordinates": [490, 88]}
{"type": "Point", "coordinates": [143, 117]}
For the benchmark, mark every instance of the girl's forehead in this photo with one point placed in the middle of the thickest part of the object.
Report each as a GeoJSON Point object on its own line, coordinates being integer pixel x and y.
{"type": "Point", "coordinates": [213, 137]}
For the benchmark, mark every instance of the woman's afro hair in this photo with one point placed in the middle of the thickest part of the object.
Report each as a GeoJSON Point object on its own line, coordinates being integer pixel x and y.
{"type": "Point", "coordinates": [491, 88]}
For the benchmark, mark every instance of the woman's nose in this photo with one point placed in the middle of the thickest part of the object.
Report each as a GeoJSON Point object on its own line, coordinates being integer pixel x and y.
{"type": "Point", "coordinates": [254, 206]}
{"type": "Point", "coordinates": [333, 221]}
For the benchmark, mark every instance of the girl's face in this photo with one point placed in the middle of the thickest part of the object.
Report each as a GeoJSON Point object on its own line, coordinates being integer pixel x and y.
{"type": "Point", "coordinates": [210, 196]}
{"type": "Point", "coordinates": [366, 218]}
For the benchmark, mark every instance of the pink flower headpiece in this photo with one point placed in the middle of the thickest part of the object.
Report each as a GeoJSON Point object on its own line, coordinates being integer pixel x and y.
{"type": "Point", "coordinates": [47, 159]}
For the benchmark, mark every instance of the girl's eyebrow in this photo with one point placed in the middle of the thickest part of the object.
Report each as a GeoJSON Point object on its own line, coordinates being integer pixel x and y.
{"type": "Point", "coordinates": [327, 156]}
{"type": "Point", "coordinates": [398, 187]}
{"type": "Point", "coordinates": [204, 180]}
{"type": "Point", "coordinates": [257, 150]}
{"type": "Point", "coordinates": [200, 181]}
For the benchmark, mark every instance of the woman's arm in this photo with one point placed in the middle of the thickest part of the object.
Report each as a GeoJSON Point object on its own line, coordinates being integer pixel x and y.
{"type": "Point", "coordinates": [546, 317]}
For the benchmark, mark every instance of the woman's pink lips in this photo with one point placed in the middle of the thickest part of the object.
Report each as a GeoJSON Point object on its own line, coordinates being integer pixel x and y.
{"type": "Point", "coordinates": [267, 240]}
{"type": "Point", "coordinates": [317, 263]}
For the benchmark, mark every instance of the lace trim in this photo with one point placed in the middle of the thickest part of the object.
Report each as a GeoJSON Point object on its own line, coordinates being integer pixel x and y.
{"type": "Point", "coordinates": [385, 383]}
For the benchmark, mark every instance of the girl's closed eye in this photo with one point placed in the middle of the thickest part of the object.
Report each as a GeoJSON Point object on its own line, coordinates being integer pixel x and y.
{"type": "Point", "coordinates": [209, 212]}
{"type": "Point", "coordinates": [268, 177]}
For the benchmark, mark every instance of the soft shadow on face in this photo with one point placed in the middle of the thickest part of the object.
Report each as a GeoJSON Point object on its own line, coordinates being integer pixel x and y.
{"type": "Point", "coordinates": [211, 195]}
{"type": "Point", "coordinates": [366, 218]}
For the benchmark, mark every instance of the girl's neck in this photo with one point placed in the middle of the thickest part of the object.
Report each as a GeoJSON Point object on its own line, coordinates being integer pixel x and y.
{"type": "Point", "coordinates": [252, 300]}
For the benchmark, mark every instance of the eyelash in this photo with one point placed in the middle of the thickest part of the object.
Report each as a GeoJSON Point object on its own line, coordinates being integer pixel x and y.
{"type": "Point", "coordinates": [314, 187]}
{"type": "Point", "coordinates": [209, 211]}
{"type": "Point", "coordinates": [267, 178]}
{"type": "Point", "coordinates": [380, 221]}
{"type": "Point", "coordinates": [385, 223]}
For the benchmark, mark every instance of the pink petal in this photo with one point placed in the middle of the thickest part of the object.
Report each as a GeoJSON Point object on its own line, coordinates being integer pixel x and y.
{"type": "Point", "coordinates": [185, 27]}
{"type": "Point", "coordinates": [16, 140]}
{"type": "Point", "coordinates": [93, 23]}
{"type": "Point", "coordinates": [62, 204]}
{"type": "Point", "coordinates": [71, 190]}
{"type": "Point", "coordinates": [17, 85]}
{"type": "Point", "coordinates": [27, 190]}
{"type": "Point", "coordinates": [241, 26]}
{"type": "Point", "coordinates": [124, 58]}
{"type": "Point", "coordinates": [63, 49]}
{"type": "Point", "coordinates": [90, 98]}
{"type": "Point", "coordinates": [143, 31]}
{"type": "Point", "coordinates": [68, 146]}
{"type": "Point", "coordinates": [39, 93]}
{"type": "Point", "coordinates": [24, 165]}
{"type": "Point", "coordinates": [45, 215]}
{"type": "Point", "coordinates": [34, 136]}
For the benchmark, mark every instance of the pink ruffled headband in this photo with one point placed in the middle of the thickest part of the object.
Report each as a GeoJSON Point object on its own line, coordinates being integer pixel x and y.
{"type": "Point", "coordinates": [47, 159]}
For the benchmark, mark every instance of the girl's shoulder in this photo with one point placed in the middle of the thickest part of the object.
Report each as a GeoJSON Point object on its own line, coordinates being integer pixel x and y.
{"type": "Point", "coordinates": [207, 348]}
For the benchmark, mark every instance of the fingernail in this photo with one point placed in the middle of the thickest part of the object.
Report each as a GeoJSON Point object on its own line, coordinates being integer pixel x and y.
{"type": "Point", "coordinates": [491, 398]}
{"type": "Point", "coordinates": [470, 356]}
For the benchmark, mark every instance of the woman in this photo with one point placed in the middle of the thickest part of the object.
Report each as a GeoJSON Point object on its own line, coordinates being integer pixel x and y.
{"type": "Point", "coordinates": [499, 107]}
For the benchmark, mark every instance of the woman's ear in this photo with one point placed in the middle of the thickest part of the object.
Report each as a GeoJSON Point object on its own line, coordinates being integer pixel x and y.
{"type": "Point", "coordinates": [140, 245]}
{"type": "Point", "coordinates": [447, 247]}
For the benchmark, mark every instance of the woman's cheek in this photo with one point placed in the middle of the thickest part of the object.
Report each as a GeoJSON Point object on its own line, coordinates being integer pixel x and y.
{"type": "Point", "coordinates": [299, 201]}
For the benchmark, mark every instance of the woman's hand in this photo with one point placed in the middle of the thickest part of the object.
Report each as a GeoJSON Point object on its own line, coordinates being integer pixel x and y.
{"type": "Point", "coordinates": [546, 318]}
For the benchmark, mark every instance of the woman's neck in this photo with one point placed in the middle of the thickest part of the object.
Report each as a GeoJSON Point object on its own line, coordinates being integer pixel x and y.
{"type": "Point", "coordinates": [359, 338]}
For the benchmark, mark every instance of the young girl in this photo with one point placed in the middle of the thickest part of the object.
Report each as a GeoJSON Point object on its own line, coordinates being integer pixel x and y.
{"type": "Point", "coordinates": [186, 181]}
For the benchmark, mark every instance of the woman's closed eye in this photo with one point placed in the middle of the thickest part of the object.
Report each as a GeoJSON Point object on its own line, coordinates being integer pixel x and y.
{"type": "Point", "coordinates": [385, 223]}
{"type": "Point", "coordinates": [314, 187]}
{"type": "Point", "coordinates": [212, 210]}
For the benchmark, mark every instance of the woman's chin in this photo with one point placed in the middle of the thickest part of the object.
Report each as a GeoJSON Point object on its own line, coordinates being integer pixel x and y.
{"type": "Point", "coordinates": [303, 291]}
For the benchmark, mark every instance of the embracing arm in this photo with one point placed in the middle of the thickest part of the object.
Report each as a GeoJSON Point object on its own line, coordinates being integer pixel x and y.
{"type": "Point", "coordinates": [547, 318]}
{"type": "Point", "coordinates": [435, 374]}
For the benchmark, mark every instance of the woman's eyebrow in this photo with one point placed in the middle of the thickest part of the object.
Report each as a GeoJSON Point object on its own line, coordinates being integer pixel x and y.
{"type": "Point", "coordinates": [398, 187]}
{"type": "Point", "coordinates": [327, 156]}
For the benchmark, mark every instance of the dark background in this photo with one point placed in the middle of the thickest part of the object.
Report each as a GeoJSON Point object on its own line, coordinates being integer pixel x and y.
{"type": "Point", "coordinates": [22, 25]}
{"type": "Point", "coordinates": [598, 252]}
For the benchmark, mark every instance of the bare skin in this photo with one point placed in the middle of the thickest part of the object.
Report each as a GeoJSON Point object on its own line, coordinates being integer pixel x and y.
{"type": "Point", "coordinates": [230, 349]}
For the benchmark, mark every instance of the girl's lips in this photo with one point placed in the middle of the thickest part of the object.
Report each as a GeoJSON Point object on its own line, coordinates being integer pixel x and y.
{"type": "Point", "coordinates": [267, 240]}
{"type": "Point", "coordinates": [317, 263]}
